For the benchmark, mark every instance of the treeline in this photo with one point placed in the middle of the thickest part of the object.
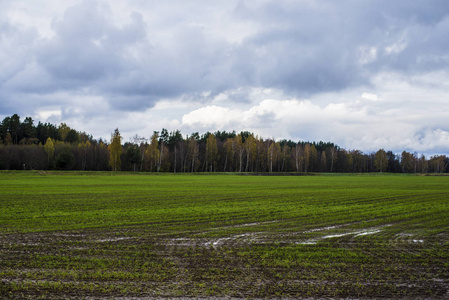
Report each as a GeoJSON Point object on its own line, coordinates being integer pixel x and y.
{"type": "Point", "coordinates": [46, 146]}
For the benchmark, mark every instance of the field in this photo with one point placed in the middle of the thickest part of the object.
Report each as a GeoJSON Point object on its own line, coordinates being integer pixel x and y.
{"type": "Point", "coordinates": [102, 235]}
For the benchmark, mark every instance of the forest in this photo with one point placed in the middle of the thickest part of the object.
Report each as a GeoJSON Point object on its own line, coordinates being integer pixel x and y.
{"type": "Point", "coordinates": [45, 146]}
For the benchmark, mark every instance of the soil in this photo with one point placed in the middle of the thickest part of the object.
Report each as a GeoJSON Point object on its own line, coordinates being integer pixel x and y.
{"type": "Point", "coordinates": [138, 262]}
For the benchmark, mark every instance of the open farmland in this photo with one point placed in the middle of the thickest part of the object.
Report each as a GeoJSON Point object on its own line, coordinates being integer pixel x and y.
{"type": "Point", "coordinates": [103, 235]}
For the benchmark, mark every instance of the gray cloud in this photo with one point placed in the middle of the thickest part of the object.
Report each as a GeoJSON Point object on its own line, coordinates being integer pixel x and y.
{"type": "Point", "coordinates": [88, 48]}
{"type": "Point", "coordinates": [128, 57]}
{"type": "Point", "coordinates": [306, 47]}
{"type": "Point", "coordinates": [327, 46]}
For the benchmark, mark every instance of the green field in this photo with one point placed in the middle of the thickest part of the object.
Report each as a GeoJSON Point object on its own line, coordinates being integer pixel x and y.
{"type": "Point", "coordinates": [103, 235]}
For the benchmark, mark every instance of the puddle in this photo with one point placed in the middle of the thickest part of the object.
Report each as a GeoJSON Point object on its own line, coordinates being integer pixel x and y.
{"type": "Point", "coordinates": [26, 244]}
{"type": "Point", "coordinates": [408, 237]}
{"type": "Point", "coordinates": [255, 224]}
{"type": "Point", "coordinates": [354, 233]}
{"type": "Point", "coordinates": [263, 237]}
{"type": "Point", "coordinates": [368, 232]}
{"type": "Point", "coordinates": [242, 225]}
{"type": "Point", "coordinates": [221, 241]}
{"type": "Point", "coordinates": [70, 235]}
{"type": "Point", "coordinates": [113, 239]}
{"type": "Point", "coordinates": [323, 228]}
{"type": "Point", "coordinates": [310, 242]}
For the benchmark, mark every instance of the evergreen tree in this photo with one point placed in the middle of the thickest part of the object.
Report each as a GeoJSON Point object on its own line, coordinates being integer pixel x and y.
{"type": "Point", "coordinates": [27, 129]}
{"type": "Point", "coordinates": [133, 156]}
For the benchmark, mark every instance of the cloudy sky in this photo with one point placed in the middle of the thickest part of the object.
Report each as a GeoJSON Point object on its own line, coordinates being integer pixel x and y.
{"type": "Point", "coordinates": [365, 74]}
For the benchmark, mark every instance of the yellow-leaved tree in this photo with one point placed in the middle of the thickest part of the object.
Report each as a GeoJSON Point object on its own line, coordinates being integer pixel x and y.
{"type": "Point", "coordinates": [211, 151]}
{"type": "Point", "coordinates": [381, 160]}
{"type": "Point", "coordinates": [49, 149]}
{"type": "Point", "coordinates": [153, 154]}
{"type": "Point", "coordinates": [115, 150]}
{"type": "Point", "coordinates": [274, 151]}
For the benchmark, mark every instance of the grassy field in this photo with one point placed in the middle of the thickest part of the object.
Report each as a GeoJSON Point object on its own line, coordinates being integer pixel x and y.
{"type": "Point", "coordinates": [103, 235]}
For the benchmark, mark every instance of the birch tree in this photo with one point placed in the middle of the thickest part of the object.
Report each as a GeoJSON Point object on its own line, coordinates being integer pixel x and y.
{"type": "Point", "coordinates": [152, 153]}
{"type": "Point", "coordinates": [240, 149]}
{"type": "Point", "coordinates": [333, 154]}
{"type": "Point", "coordinates": [273, 154]}
{"type": "Point", "coordinates": [381, 160]}
{"type": "Point", "coordinates": [193, 152]}
{"type": "Point", "coordinates": [49, 148]}
{"type": "Point", "coordinates": [115, 150]}
{"type": "Point", "coordinates": [229, 147]}
{"type": "Point", "coordinates": [306, 157]}
{"type": "Point", "coordinates": [211, 151]}
{"type": "Point", "coordinates": [250, 149]}
{"type": "Point", "coordinates": [323, 162]}
{"type": "Point", "coordinates": [313, 158]}
{"type": "Point", "coordinates": [298, 157]}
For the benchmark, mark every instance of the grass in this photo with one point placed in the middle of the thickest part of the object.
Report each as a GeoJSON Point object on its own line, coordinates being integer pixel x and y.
{"type": "Point", "coordinates": [76, 234]}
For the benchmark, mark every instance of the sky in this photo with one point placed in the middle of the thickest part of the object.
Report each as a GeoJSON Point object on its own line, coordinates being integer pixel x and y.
{"type": "Point", "coordinates": [364, 74]}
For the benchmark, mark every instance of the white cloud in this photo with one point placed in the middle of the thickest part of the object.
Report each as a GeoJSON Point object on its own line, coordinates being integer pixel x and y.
{"type": "Point", "coordinates": [367, 55]}
{"type": "Point", "coordinates": [366, 75]}
{"type": "Point", "coordinates": [396, 48]}
{"type": "Point", "coordinates": [48, 114]}
{"type": "Point", "coordinates": [369, 96]}
{"type": "Point", "coordinates": [211, 116]}
{"type": "Point", "coordinates": [367, 126]}
{"type": "Point", "coordinates": [437, 140]}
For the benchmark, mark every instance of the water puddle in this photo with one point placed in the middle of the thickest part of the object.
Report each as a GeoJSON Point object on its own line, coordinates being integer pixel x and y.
{"type": "Point", "coordinates": [368, 232]}
{"type": "Point", "coordinates": [233, 239]}
{"type": "Point", "coordinates": [113, 239]}
{"type": "Point", "coordinates": [330, 236]}
{"type": "Point", "coordinates": [324, 228]}
{"type": "Point", "coordinates": [243, 225]}
{"type": "Point", "coordinates": [409, 238]}
{"type": "Point", "coordinates": [265, 237]}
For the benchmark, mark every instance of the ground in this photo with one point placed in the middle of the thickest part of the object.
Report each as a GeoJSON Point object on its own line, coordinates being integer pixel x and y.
{"type": "Point", "coordinates": [149, 237]}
